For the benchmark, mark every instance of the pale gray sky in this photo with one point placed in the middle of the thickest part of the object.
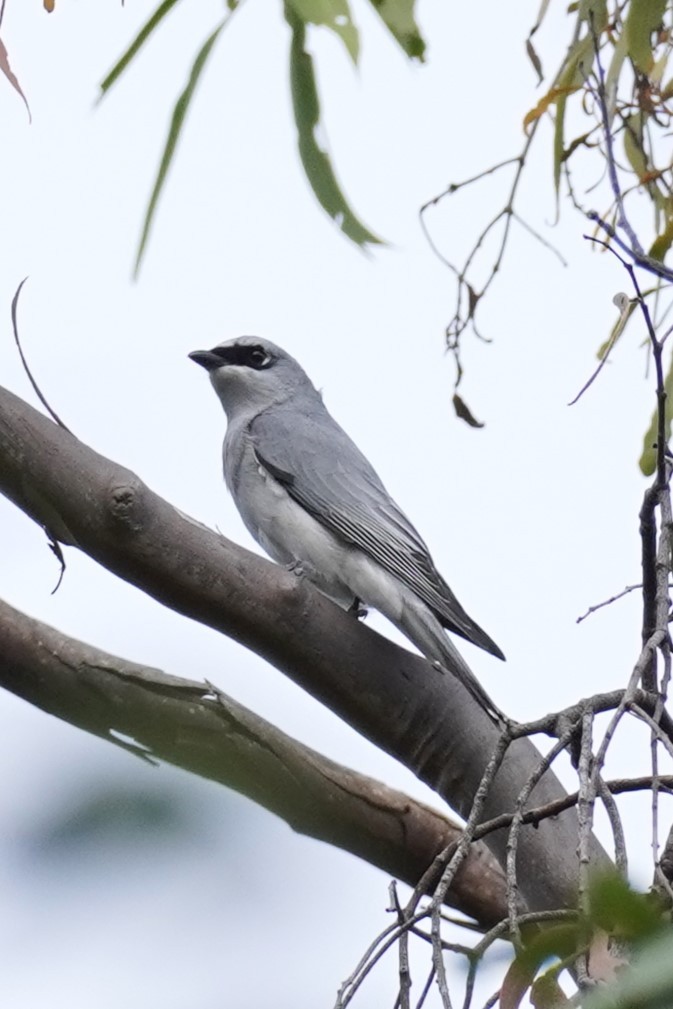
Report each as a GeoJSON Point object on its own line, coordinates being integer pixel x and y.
{"type": "Point", "coordinates": [531, 519]}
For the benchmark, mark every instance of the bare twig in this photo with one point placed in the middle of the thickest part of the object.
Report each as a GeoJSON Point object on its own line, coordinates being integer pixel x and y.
{"type": "Point", "coordinates": [608, 602]}
{"type": "Point", "coordinates": [36, 388]}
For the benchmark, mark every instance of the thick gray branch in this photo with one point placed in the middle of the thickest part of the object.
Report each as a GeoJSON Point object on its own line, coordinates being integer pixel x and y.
{"type": "Point", "coordinates": [189, 724]}
{"type": "Point", "coordinates": [422, 717]}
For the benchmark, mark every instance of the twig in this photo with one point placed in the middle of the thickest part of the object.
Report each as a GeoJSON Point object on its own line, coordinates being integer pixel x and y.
{"type": "Point", "coordinates": [36, 388]}
{"type": "Point", "coordinates": [608, 602]}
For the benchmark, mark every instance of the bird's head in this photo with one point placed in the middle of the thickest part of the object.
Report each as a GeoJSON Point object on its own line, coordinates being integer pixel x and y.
{"type": "Point", "coordinates": [250, 374]}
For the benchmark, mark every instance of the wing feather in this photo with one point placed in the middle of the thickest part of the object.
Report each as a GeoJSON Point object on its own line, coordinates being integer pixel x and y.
{"type": "Point", "coordinates": [325, 472]}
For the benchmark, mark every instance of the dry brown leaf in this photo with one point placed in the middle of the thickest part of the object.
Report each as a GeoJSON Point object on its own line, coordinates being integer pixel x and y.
{"type": "Point", "coordinates": [9, 74]}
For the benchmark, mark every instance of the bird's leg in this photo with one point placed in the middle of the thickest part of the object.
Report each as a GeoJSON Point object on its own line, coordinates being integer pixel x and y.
{"type": "Point", "coordinates": [302, 570]}
{"type": "Point", "coordinates": [358, 609]}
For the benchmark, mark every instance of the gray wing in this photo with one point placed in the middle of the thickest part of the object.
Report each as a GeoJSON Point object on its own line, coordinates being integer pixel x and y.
{"type": "Point", "coordinates": [304, 448]}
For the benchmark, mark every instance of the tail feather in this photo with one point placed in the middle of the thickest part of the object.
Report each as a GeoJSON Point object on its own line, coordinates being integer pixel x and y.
{"type": "Point", "coordinates": [422, 627]}
{"type": "Point", "coordinates": [454, 618]}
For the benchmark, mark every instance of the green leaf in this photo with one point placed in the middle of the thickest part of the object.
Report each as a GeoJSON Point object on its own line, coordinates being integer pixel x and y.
{"type": "Point", "coordinates": [398, 17]}
{"type": "Point", "coordinates": [595, 12]}
{"type": "Point", "coordinates": [139, 41]}
{"type": "Point", "coordinates": [617, 909]}
{"type": "Point", "coordinates": [644, 17]}
{"type": "Point", "coordinates": [317, 166]}
{"type": "Point", "coordinates": [571, 78]}
{"type": "Point", "coordinates": [663, 241]}
{"type": "Point", "coordinates": [333, 14]}
{"type": "Point", "coordinates": [633, 145]}
{"type": "Point", "coordinates": [619, 54]}
{"type": "Point", "coordinates": [648, 459]}
{"type": "Point", "coordinates": [177, 122]}
{"type": "Point", "coordinates": [556, 940]}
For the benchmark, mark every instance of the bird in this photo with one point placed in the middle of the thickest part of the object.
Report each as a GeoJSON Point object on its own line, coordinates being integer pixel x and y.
{"type": "Point", "coordinates": [315, 504]}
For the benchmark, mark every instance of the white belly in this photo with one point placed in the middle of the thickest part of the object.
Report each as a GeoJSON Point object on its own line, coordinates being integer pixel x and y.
{"type": "Point", "coordinates": [290, 534]}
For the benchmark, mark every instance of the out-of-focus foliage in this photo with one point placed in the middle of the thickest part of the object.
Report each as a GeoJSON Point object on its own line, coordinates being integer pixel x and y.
{"type": "Point", "coordinates": [610, 108]}
{"type": "Point", "coordinates": [616, 916]}
{"type": "Point", "coordinates": [302, 16]}
{"type": "Point", "coordinates": [616, 74]}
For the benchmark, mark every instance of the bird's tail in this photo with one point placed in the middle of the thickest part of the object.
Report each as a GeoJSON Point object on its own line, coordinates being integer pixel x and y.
{"type": "Point", "coordinates": [422, 627]}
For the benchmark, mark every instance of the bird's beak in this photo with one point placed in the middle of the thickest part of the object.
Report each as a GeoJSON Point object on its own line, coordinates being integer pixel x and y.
{"type": "Point", "coordinates": [207, 359]}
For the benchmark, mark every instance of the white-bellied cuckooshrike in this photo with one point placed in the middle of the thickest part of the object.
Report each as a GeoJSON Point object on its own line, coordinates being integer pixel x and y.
{"type": "Point", "coordinates": [313, 502]}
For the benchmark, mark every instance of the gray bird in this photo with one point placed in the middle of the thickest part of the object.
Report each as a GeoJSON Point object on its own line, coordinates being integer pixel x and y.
{"type": "Point", "coordinates": [313, 502]}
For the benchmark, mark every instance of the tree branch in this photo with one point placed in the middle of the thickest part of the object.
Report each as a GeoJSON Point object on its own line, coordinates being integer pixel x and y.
{"type": "Point", "coordinates": [195, 726]}
{"type": "Point", "coordinates": [424, 718]}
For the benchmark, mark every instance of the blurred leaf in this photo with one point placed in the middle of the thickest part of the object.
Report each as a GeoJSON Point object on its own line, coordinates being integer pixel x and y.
{"type": "Point", "coordinates": [546, 992]}
{"type": "Point", "coordinates": [648, 459]}
{"type": "Point", "coordinates": [464, 413]}
{"type": "Point", "coordinates": [7, 71]}
{"type": "Point", "coordinates": [619, 910]}
{"type": "Point", "coordinates": [317, 166]}
{"type": "Point", "coordinates": [177, 122]}
{"type": "Point", "coordinates": [570, 79]}
{"type": "Point", "coordinates": [398, 17]}
{"type": "Point", "coordinates": [559, 154]}
{"type": "Point", "coordinates": [544, 7]}
{"type": "Point", "coordinates": [333, 14]}
{"type": "Point", "coordinates": [662, 242]}
{"type": "Point", "coordinates": [619, 54]}
{"type": "Point", "coordinates": [643, 17]}
{"type": "Point", "coordinates": [633, 146]}
{"type": "Point", "coordinates": [647, 984]}
{"type": "Point", "coordinates": [552, 96]}
{"type": "Point", "coordinates": [535, 60]}
{"type": "Point", "coordinates": [659, 67]}
{"type": "Point", "coordinates": [595, 13]}
{"type": "Point", "coordinates": [625, 314]}
{"type": "Point", "coordinates": [558, 941]}
{"type": "Point", "coordinates": [139, 41]}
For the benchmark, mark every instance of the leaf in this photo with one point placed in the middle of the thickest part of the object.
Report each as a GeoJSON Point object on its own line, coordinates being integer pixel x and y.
{"type": "Point", "coordinates": [633, 145]}
{"type": "Point", "coordinates": [558, 146]}
{"type": "Point", "coordinates": [139, 41]}
{"type": "Point", "coordinates": [317, 166]}
{"type": "Point", "coordinates": [570, 79]}
{"type": "Point", "coordinates": [398, 17]}
{"type": "Point", "coordinates": [544, 7]}
{"type": "Point", "coordinates": [619, 54]}
{"type": "Point", "coordinates": [617, 909]}
{"type": "Point", "coordinates": [333, 14]}
{"type": "Point", "coordinates": [552, 96]}
{"type": "Point", "coordinates": [535, 60]}
{"type": "Point", "coordinates": [177, 122]}
{"type": "Point", "coordinates": [644, 16]}
{"type": "Point", "coordinates": [558, 940]}
{"type": "Point", "coordinates": [546, 992]}
{"type": "Point", "coordinates": [7, 71]}
{"type": "Point", "coordinates": [595, 13]}
{"type": "Point", "coordinates": [464, 413]}
{"type": "Point", "coordinates": [662, 242]}
{"type": "Point", "coordinates": [648, 458]}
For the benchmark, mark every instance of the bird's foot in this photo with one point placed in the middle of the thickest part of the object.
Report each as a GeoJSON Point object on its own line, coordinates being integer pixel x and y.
{"type": "Point", "coordinates": [358, 609]}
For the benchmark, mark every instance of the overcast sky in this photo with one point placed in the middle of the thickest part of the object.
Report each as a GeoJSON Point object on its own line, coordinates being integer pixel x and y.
{"type": "Point", "coordinates": [531, 519]}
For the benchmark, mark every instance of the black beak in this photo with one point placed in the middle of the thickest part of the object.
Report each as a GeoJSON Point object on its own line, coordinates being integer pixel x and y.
{"type": "Point", "coordinates": [207, 359]}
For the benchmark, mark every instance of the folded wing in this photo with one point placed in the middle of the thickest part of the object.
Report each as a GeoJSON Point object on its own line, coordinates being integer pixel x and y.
{"type": "Point", "coordinates": [325, 472]}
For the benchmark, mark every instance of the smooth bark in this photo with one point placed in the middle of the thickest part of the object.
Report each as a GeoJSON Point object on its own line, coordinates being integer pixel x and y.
{"type": "Point", "coordinates": [422, 717]}
{"type": "Point", "coordinates": [195, 726]}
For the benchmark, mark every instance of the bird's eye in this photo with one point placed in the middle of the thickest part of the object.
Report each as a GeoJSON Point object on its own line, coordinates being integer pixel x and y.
{"type": "Point", "coordinates": [258, 357]}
